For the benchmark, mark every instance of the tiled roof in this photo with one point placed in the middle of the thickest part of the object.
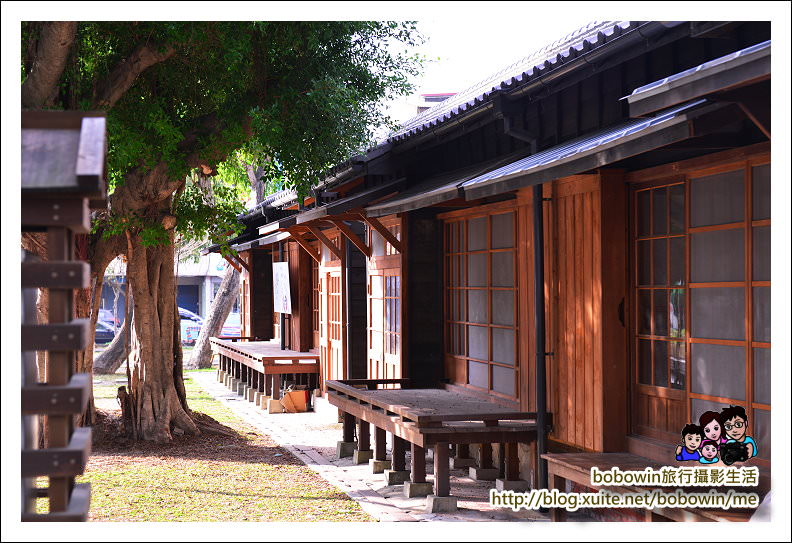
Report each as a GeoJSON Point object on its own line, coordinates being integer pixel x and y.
{"type": "Point", "coordinates": [569, 47]}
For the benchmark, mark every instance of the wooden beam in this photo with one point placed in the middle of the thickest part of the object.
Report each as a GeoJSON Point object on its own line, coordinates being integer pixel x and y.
{"type": "Point", "coordinates": [233, 264]}
{"type": "Point", "coordinates": [304, 244]}
{"type": "Point", "coordinates": [324, 240]}
{"type": "Point", "coordinates": [384, 232]}
{"type": "Point", "coordinates": [241, 262]}
{"type": "Point", "coordinates": [356, 241]}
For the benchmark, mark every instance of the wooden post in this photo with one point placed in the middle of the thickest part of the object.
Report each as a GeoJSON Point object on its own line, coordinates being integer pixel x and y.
{"type": "Point", "coordinates": [502, 460]}
{"type": "Point", "coordinates": [463, 450]}
{"type": "Point", "coordinates": [349, 428]}
{"type": "Point", "coordinates": [486, 455]}
{"type": "Point", "coordinates": [276, 387]}
{"type": "Point", "coordinates": [364, 440]}
{"type": "Point", "coordinates": [418, 464]}
{"type": "Point", "coordinates": [379, 444]}
{"type": "Point", "coordinates": [398, 454]}
{"type": "Point", "coordinates": [442, 480]}
{"type": "Point", "coordinates": [512, 462]}
{"type": "Point", "coordinates": [557, 514]}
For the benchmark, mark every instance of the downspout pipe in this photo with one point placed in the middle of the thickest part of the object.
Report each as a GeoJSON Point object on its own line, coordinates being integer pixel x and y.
{"type": "Point", "coordinates": [539, 320]}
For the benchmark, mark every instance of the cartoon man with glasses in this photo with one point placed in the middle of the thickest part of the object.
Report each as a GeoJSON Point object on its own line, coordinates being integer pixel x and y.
{"type": "Point", "coordinates": [735, 424]}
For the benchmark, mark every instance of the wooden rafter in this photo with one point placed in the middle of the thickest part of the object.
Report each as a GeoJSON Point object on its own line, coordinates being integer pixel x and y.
{"type": "Point", "coordinates": [304, 244]}
{"type": "Point", "coordinates": [384, 232]}
{"type": "Point", "coordinates": [365, 249]}
{"type": "Point", "coordinates": [324, 240]}
{"type": "Point", "coordinates": [233, 263]}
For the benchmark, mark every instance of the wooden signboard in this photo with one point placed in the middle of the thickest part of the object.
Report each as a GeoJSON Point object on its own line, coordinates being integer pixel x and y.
{"type": "Point", "coordinates": [281, 291]}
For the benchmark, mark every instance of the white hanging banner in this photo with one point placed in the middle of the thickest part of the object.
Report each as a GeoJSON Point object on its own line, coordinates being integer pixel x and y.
{"type": "Point", "coordinates": [281, 291]}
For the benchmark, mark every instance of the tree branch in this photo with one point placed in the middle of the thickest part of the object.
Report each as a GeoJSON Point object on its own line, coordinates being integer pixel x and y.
{"type": "Point", "coordinates": [123, 76]}
{"type": "Point", "coordinates": [52, 52]}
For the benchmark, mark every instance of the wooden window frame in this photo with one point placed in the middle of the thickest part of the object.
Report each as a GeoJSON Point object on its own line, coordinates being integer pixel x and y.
{"type": "Point", "coordinates": [461, 217]}
{"type": "Point", "coordinates": [686, 172]}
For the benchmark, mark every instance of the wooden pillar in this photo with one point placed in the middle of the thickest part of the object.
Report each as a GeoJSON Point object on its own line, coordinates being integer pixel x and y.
{"type": "Point", "coordinates": [486, 455]}
{"type": "Point", "coordinates": [379, 444]}
{"type": "Point", "coordinates": [276, 386]}
{"type": "Point", "coordinates": [442, 480]}
{"type": "Point", "coordinates": [502, 460]}
{"type": "Point", "coordinates": [418, 464]}
{"type": "Point", "coordinates": [512, 462]}
{"type": "Point", "coordinates": [349, 428]}
{"type": "Point", "coordinates": [364, 439]}
{"type": "Point", "coordinates": [557, 514]}
{"type": "Point", "coordinates": [398, 454]}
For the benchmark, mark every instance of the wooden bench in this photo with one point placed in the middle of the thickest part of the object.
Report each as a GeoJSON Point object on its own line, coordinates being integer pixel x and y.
{"type": "Point", "coordinates": [576, 467]}
{"type": "Point", "coordinates": [260, 364]}
{"type": "Point", "coordinates": [429, 417]}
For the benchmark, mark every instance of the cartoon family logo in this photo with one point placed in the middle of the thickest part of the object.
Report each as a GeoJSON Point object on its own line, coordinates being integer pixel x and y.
{"type": "Point", "coordinates": [718, 437]}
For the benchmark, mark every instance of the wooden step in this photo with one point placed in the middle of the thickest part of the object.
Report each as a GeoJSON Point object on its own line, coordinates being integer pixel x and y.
{"type": "Point", "coordinates": [68, 399]}
{"type": "Point", "coordinates": [72, 336]}
{"type": "Point", "coordinates": [77, 511]}
{"type": "Point", "coordinates": [56, 275]}
{"type": "Point", "coordinates": [59, 461]}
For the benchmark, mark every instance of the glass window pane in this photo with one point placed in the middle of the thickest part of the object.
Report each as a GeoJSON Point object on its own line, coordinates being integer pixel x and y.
{"type": "Point", "coordinates": [761, 432]}
{"type": "Point", "coordinates": [377, 244]}
{"type": "Point", "coordinates": [717, 199]}
{"type": "Point", "coordinates": [503, 269]}
{"type": "Point", "coordinates": [462, 299]}
{"type": "Point", "coordinates": [477, 270]}
{"type": "Point", "coordinates": [761, 371]}
{"type": "Point", "coordinates": [477, 234]}
{"type": "Point", "coordinates": [717, 256]}
{"type": "Point", "coordinates": [645, 312]}
{"type": "Point", "coordinates": [503, 380]}
{"type": "Point", "coordinates": [376, 286]}
{"type": "Point", "coordinates": [503, 307]}
{"type": "Point", "coordinates": [677, 315]}
{"type": "Point", "coordinates": [761, 314]}
{"type": "Point", "coordinates": [717, 313]}
{"type": "Point", "coordinates": [477, 374]}
{"type": "Point", "coordinates": [698, 407]}
{"type": "Point", "coordinates": [677, 358]}
{"type": "Point", "coordinates": [459, 335]}
{"type": "Point", "coordinates": [645, 361]}
{"type": "Point", "coordinates": [659, 213]}
{"type": "Point", "coordinates": [478, 342]}
{"type": "Point", "coordinates": [502, 231]}
{"type": "Point", "coordinates": [460, 271]}
{"type": "Point", "coordinates": [659, 262]}
{"type": "Point", "coordinates": [660, 312]}
{"type": "Point", "coordinates": [661, 363]}
{"type": "Point", "coordinates": [676, 196]}
{"type": "Point", "coordinates": [477, 306]}
{"type": "Point", "coordinates": [677, 248]}
{"type": "Point", "coordinates": [503, 345]}
{"type": "Point", "coordinates": [761, 253]}
{"type": "Point", "coordinates": [761, 192]}
{"type": "Point", "coordinates": [644, 216]}
{"type": "Point", "coordinates": [718, 370]}
{"type": "Point", "coordinates": [644, 263]}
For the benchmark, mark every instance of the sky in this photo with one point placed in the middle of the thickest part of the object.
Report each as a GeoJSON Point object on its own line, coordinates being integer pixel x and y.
{"type": "Point", "coordinates": [472, 40]}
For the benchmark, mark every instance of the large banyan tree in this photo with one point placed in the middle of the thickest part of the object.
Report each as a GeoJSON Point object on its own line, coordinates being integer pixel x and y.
{"type": "Point", "coordinates": [188, 106]}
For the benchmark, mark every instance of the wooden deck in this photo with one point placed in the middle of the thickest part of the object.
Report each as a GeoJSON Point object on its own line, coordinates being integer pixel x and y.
{"type": "Point", "coordinates": [260, 364]}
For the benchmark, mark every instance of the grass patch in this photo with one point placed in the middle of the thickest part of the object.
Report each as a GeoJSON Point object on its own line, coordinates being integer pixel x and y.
{"type": "Point", "coordinates": [207, 477]}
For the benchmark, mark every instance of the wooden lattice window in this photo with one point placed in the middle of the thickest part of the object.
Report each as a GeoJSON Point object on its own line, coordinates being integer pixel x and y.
{"type": "Point", "coordinates": [481, 299]}
{"type": "Point", "coordinates": [702, 295]}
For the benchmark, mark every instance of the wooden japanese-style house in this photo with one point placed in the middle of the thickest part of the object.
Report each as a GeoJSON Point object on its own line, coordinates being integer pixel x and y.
{"type": "Point", "coordinates": [582, 241]}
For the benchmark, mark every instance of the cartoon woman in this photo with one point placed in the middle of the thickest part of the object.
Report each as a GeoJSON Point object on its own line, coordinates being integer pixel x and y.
{"type": "Point", "coordinates": [711, 423]}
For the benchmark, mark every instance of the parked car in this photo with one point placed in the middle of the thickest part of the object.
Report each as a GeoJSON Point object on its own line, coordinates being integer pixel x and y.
{"type": "Point", "coordinates": [190, 326]}
{"type": "Point", "coordinates": [232, 325]}
{"type": "Point", "coordinates": [107, 316]}
{"type": "Point", "coordinates": [105, 332]}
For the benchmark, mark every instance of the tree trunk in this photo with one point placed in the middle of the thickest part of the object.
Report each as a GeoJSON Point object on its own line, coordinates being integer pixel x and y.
{"type": "Point", "coordinates": [156, 388]}
{"type": "Point", "coordinates": [109, 360]}
{"type": "Point", "coordinates": [218, 313]}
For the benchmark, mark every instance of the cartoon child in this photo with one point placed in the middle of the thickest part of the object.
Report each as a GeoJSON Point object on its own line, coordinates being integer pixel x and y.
{"type": "Point", "coordinates": [709, 451]}
{"type": "Point", "coordinates": [735, 423]}
{"type": "Point", "coordinates": [711, 423]}
{"type": "Point", "coordinates": [691, 441]}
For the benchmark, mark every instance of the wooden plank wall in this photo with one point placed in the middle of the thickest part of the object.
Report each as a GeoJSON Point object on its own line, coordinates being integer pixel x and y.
{"type": "Point", "coordinates": [587, 274]}
{"type": "Point", "coordinates": [301, 292]}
